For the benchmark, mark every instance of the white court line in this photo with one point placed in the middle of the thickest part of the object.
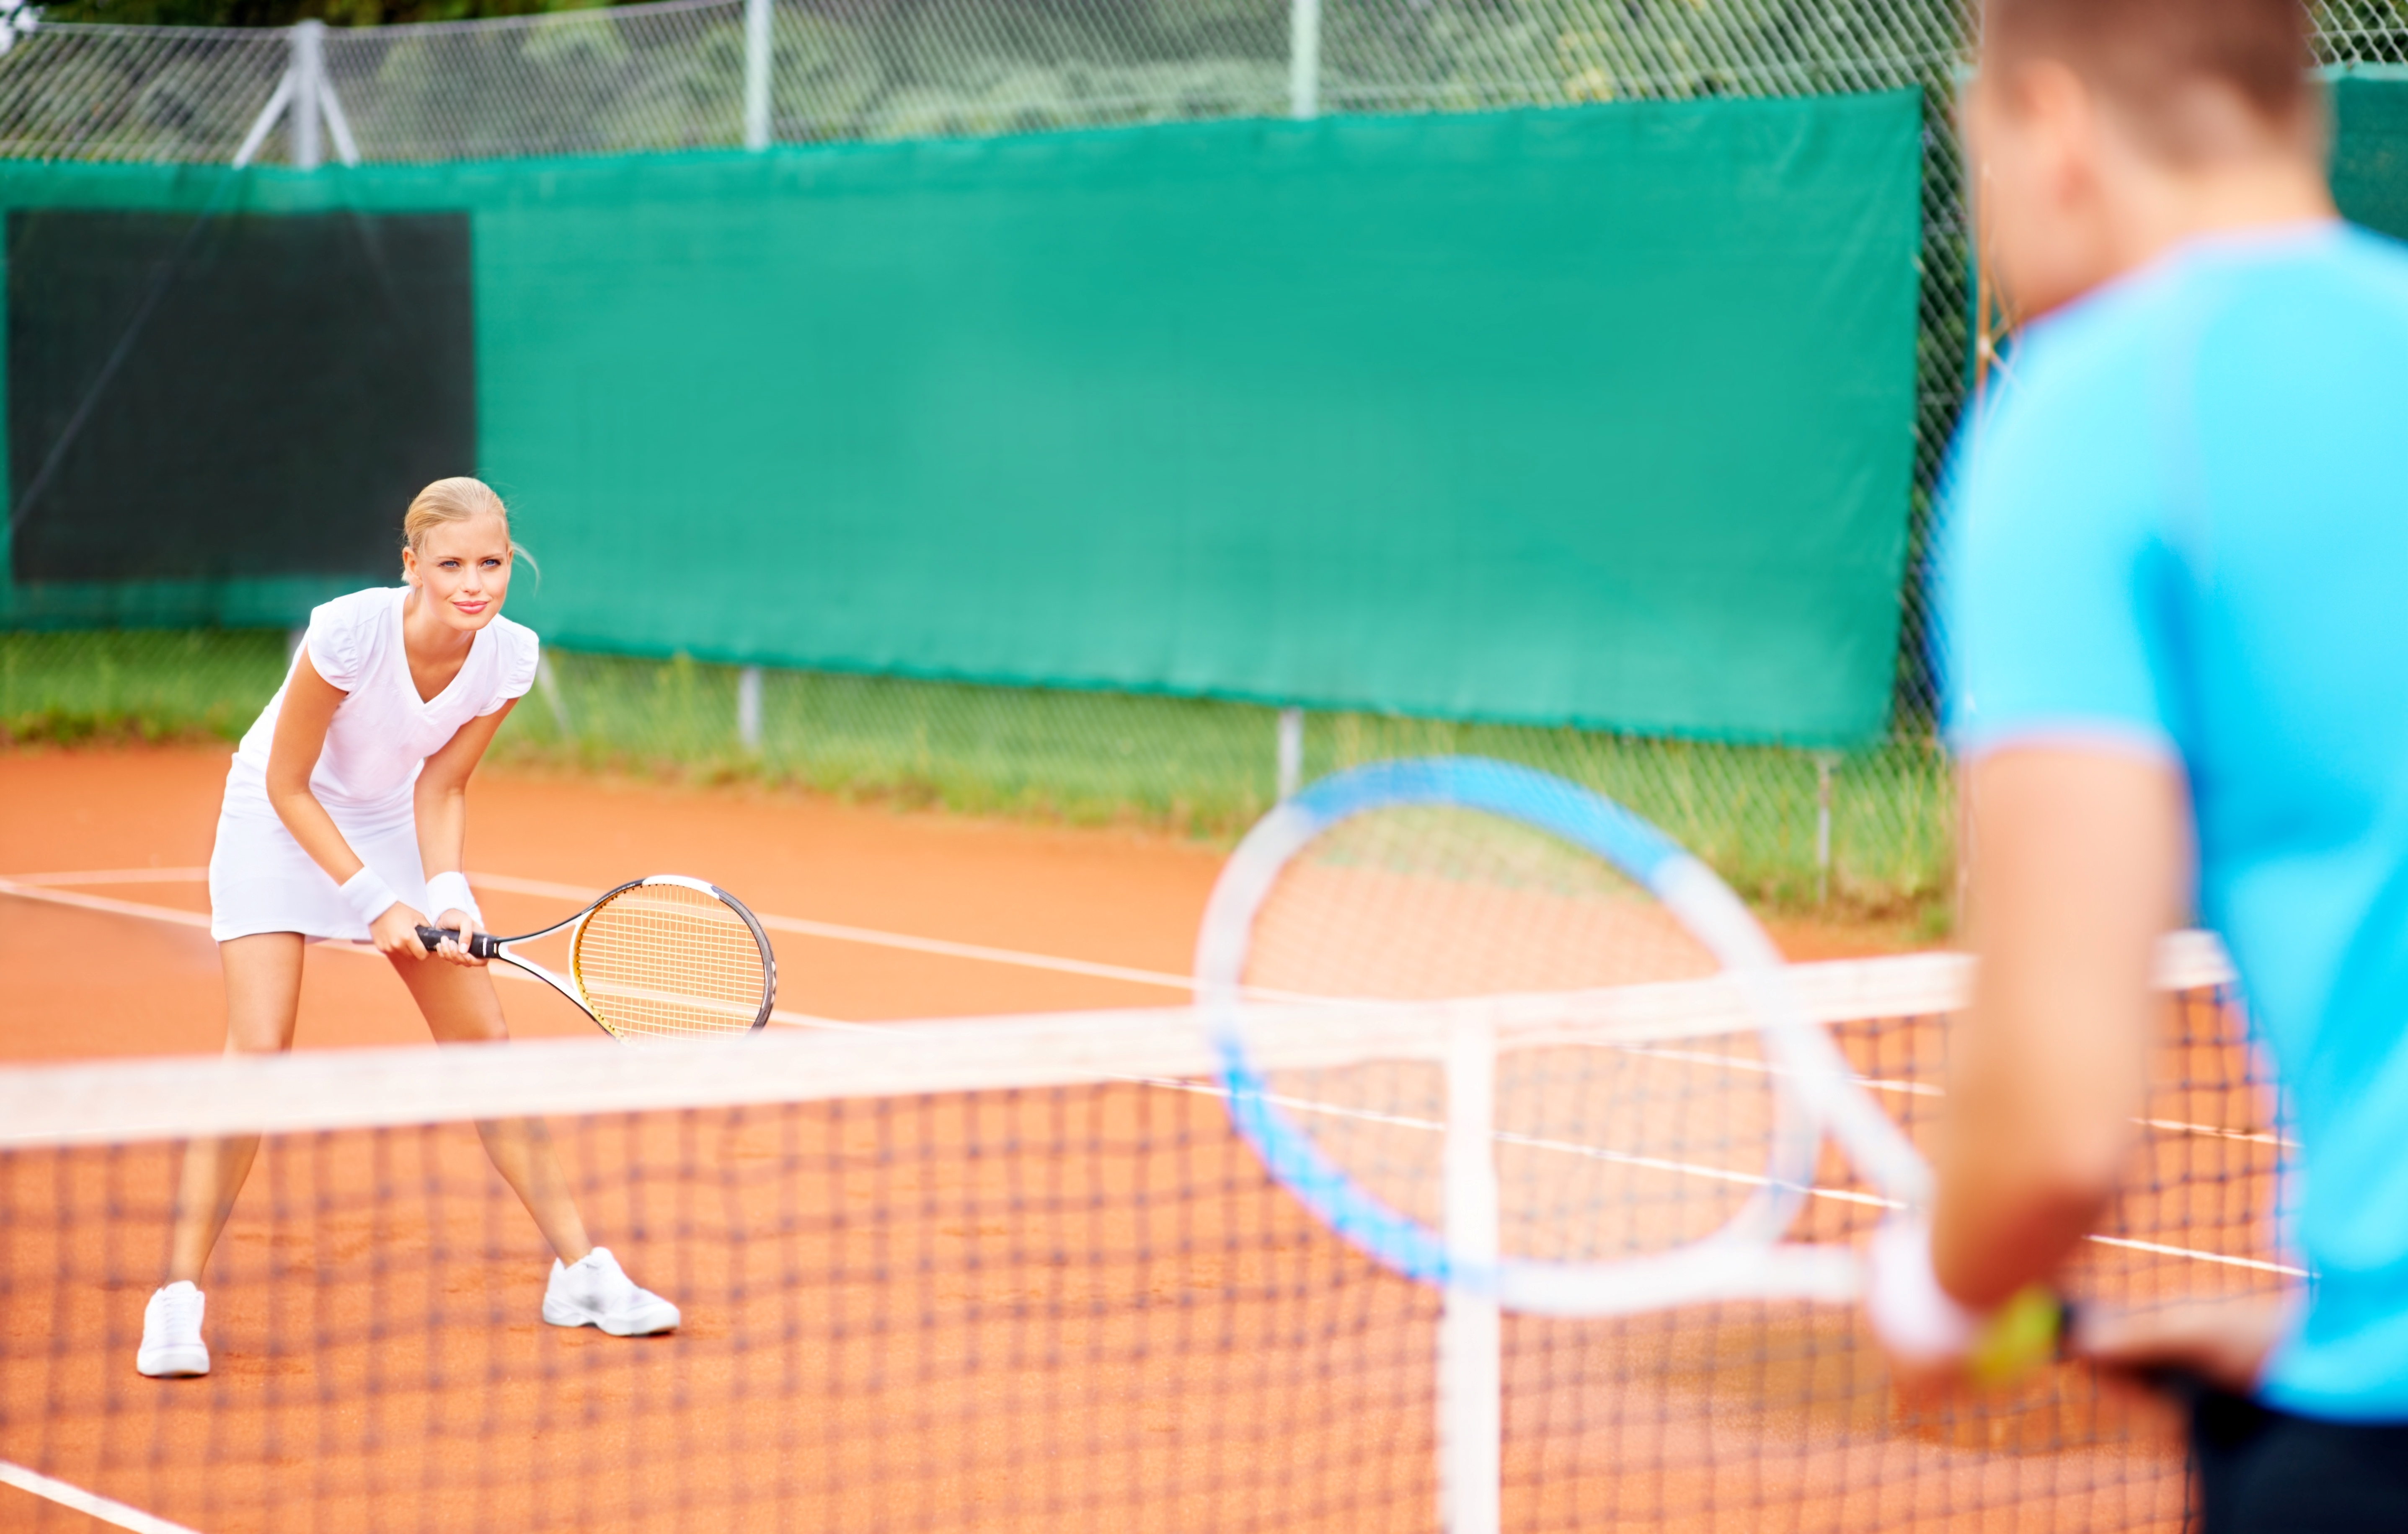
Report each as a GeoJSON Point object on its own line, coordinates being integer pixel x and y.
{"type": "Point", "coordinates": [839, 932]}
{"type": "Point", "coordinates": [31, 887]}
{"type": "Point", "coordinates": [34, 887]}
{"type": "Point", "coordinates": [67, 1495]}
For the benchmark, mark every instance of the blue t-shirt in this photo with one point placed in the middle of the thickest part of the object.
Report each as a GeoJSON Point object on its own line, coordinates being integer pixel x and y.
{"type": "Point", "coordinates": [2180, 526]}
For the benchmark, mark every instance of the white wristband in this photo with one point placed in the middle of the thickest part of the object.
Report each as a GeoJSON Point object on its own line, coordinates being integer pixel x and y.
{"type": "Point", "coordinates": [449, 891]}
{"type": "Point", "coordinates": [368, 896]}
{"type": "Point", "coordinates": [1911, 1314]}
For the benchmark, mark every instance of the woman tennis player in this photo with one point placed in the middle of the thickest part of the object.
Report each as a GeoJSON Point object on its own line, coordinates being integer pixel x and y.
{"type": "Point", "coordinates": [345, 812]}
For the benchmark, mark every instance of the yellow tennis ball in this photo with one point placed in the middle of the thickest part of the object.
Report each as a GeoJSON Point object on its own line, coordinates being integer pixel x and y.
{"type": "Point", "coordinates": [2021, 1337]}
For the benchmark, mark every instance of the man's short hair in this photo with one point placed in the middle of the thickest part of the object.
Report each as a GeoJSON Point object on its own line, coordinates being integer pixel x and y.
{"type": "Point", "coordinates": [2151, 56]}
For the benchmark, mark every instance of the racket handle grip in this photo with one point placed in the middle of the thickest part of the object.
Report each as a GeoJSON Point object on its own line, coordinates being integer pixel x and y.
{"type": "Point", "coordinates": [481, 945]}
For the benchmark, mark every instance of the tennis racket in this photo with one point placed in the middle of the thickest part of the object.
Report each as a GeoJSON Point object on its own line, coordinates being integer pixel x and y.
{"type": "Point", "coordinates": [1639, 1105]}
{"type": "Point", "coordinates": [659, 957]}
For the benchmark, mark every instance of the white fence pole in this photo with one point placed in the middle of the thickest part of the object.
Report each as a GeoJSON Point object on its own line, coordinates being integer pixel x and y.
{"type": "Point", "coordinates": [1304, 60]}
{"type": "Point", "coordinates": [549, 683]}
{"type": "Point", "coordinates": [278, 100]}
{"type": "Point", "coordinates": [1291, 752]}
{"type": "Point", "coordinates": [1470, 1333]}
{"type": "Point", "coordinates": [748, 707]}
{"type": "Point", "coordinates": [309, 89]}
{"type": "Point", "coordinates": [1822, 828]}
{"type": "Point", "coordinates": [757, 18]}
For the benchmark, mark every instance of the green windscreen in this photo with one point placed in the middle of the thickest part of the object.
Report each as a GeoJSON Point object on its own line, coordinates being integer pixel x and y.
{"type": "Point", "coordinates": [1599, 416]}
{"type": "Point", "coordinates": [2370, 162]}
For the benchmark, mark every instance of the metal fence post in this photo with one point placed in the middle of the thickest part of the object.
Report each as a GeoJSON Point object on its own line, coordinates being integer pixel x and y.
{"type": "Point", "coordinates": [1304, 60]}
{"type": "Point", "coordinates": [757, 18]}
{"type": "Point", "coordinates": [1823, 764]}
{"type": "Point", "coordinates": [1291, 752]}
{"type": "Point", "coordinates": [748, 707]}
{"type": "Point", "coordinates": [308, 92]}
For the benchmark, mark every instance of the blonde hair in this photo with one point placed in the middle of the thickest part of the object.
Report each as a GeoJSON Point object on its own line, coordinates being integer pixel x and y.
{"type": "Point", "coordinates": [459, 498]}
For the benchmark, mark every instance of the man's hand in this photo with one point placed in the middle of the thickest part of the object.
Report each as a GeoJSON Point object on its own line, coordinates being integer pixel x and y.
{"type": "Point", "coordinates": [2222, 1342]}
{"type": "Point", "coordinates": [1937, 1345]}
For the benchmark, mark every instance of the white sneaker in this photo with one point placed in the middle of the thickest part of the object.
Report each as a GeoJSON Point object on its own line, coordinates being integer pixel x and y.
{"type": "Point", "coordinates": [171, 1333]}
{"type": "Point", "coordinates": [593, 1292]}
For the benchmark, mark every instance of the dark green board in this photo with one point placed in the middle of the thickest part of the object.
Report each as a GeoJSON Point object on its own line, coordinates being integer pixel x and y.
{"type": "Point", "coordinates": [1601, 416]}
{"type": "Point", "coordinates": [2369, 168]}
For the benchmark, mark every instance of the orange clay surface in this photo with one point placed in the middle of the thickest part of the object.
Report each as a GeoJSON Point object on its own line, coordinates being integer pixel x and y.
{"type": "Point", "coordinates": [1081, 1378]}
{"type": "Point", "coordinates": [84, 984]}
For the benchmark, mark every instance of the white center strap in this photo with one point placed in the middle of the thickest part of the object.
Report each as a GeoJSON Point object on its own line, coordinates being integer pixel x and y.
{"type": "Point", "coordinates": [369, 895]}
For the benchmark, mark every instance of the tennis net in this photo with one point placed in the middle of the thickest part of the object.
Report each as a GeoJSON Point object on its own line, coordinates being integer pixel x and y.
{"type": "Point", "coordinates": [1009, 1274]}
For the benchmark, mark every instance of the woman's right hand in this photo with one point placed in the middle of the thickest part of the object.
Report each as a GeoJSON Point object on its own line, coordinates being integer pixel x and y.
{"type": "Point", "coordinates": [396, 932]}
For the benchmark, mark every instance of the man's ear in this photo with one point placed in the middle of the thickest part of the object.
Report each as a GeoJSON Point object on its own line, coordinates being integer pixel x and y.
{"type": "Point", "coordinates": [2060, 115]}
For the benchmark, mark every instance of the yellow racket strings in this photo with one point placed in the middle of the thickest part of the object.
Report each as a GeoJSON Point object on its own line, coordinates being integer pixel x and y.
{"type": "Point", "coordinates": [664, 961]}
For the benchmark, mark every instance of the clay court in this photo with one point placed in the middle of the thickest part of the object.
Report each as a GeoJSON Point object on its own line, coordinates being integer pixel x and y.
{"type": "Point", "coordinates": [1079, 1307]}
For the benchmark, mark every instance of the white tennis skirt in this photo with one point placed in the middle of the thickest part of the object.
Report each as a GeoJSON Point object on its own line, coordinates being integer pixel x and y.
{"type": "Point", "coordinates": [260, 880]}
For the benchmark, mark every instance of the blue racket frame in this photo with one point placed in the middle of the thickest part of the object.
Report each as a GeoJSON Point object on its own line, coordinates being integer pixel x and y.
{"type": "Point", "coordinates": [1814, 1092]}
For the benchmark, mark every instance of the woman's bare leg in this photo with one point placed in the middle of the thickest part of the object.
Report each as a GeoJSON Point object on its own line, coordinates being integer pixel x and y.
{"type": "Point", "coordinates": [460, 1008]}
{"type": "Point", "coordinates": [262, 985]}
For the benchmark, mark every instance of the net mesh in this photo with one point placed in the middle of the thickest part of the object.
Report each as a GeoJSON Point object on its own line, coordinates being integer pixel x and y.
{"type": "Point", "coordinates": [1000, 1274]}
{"type": "Point", "coordinates": [667, 961]}
{"type": "Point", "coordinates": [1601, 1152]}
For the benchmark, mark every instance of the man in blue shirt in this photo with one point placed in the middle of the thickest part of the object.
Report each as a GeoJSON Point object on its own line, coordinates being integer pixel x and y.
{"type": "Point", "coordinates": [2175, 592]}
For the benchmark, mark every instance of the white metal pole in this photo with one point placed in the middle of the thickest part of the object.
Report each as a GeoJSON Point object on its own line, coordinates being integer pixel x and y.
{"type": "Point", "coordinates": [1822, 828]}
{"type": "Point", "coordinates": [1304, 60]}
{"type": "Point", "coordinates": [550, 684]}
{"type": "Point", "coordinates": [308, 84]}
{"type": "Point", "coordinates": [757, 74]}
{"type": "Point", "coordinates": [278, 100]}
{"type": "Point", "coordinates": [1471, 1335]}
{"type": "Point", "coordinates": [748, 707]}
{"type": "Point", "coordinates": [1291, 752]}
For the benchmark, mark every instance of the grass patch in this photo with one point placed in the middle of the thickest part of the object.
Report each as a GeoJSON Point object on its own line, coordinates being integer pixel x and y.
{"type": "Point", "coordinates": [167, 685]}
{"type": "Point", "coordinates": [1196, 768]}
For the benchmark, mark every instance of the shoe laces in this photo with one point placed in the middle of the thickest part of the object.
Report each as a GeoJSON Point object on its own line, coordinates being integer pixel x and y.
{"type": "Point", "coordinates": [180, 1306]}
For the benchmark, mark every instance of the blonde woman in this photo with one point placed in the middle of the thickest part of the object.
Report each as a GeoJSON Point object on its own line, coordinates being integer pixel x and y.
{"type": "Point", "coordinates": [345, 812]}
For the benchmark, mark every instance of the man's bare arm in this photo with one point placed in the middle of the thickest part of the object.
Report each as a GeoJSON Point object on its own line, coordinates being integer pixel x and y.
{"type": "Point", "coordinates": [2080, 863]}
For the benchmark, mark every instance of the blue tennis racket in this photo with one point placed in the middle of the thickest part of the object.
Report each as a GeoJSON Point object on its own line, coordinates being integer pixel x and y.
{"type": "Point", "coordinates": [1574, 1080]}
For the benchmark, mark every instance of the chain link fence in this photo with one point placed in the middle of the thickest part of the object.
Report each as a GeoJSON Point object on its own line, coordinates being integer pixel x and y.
{"type": "Point", "coordinates": [1789, 826]}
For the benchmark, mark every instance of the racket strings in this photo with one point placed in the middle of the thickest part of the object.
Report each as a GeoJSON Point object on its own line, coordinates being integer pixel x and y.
{"type": "Point", "coordinates": [1600, 1153]}
{"type": "Point", "coordinates": [667, 961]}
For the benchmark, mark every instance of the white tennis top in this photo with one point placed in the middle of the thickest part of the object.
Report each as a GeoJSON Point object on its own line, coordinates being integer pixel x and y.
{"type": "Point", "coordinates": [384, 732]}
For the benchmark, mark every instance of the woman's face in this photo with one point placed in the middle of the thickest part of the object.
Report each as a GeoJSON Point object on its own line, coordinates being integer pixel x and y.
{"type": "Point", "coordinates": [462, 571]}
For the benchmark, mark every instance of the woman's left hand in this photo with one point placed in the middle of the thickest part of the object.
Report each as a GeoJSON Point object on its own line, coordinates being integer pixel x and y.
{"type": "Point", "coordinates": [453, 922]}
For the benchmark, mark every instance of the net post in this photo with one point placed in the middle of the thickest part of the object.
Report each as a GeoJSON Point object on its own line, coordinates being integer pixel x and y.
{"type": "Point", "coordinates": [748, 707]}
{"type": "Point", "coordinates": [1291, 752]}
{"type": "Point", "coordinates": [1304, 60]}
{"type": "Point", "coordinates": [309, 87]}
{"type": "Point", "coordinates": [757, 16]}
{"type": "Point", "coordinates": [1470, 1333]}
